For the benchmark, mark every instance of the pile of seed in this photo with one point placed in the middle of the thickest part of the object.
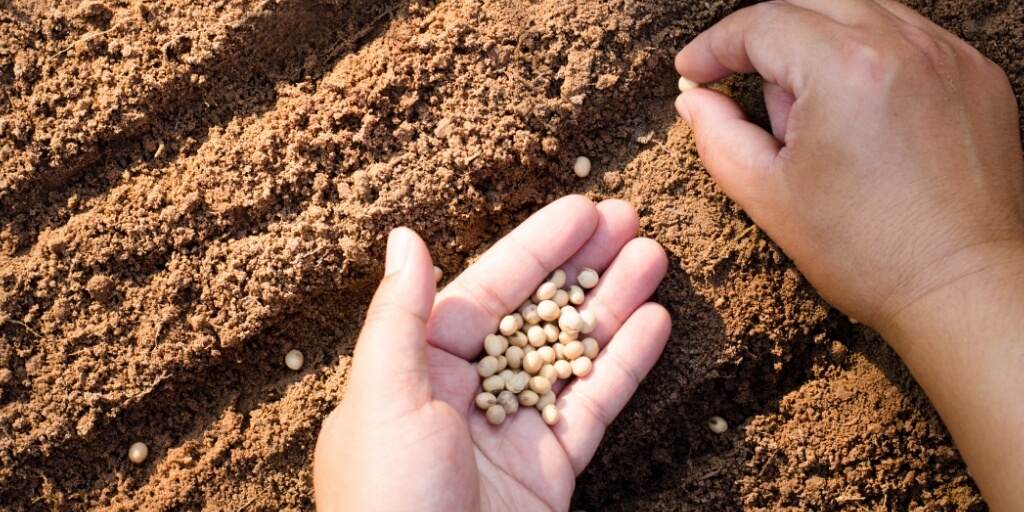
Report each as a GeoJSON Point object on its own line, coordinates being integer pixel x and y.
{"type": "Point", "coordinates": [537, 345]}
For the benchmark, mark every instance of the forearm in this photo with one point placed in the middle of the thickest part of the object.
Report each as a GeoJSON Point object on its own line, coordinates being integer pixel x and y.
{"type": "Point", "coordinates": [965, 346]}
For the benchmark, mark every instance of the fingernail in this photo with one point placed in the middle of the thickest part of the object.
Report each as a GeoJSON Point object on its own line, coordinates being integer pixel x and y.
{"type": "Point", "coordinates": [398, 251]}
{"type": "Point", "coordinates": [682, 109]}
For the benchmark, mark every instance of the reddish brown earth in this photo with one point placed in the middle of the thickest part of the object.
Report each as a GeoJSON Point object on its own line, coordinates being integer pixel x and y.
{"type": "Point", "coordinates": [188, 190]}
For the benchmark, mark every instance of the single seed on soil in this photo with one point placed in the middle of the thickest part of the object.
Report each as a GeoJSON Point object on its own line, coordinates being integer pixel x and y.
{"type": "Point", "coordinates": [518, 382]}
{"type": "Point", "coordinates": [545, 292]}
{"type": "Point", "coordinates": [551, 333]}
{"type": "Point", "coordinates": [590, 348]}
{"type": "Point", "coordinates": [589, 321]}
{"type": "Point", "coordinates": [528, 397]}
{"type": "Point", "coordinates": [536, 336]}
{"type": "Point", "coordinates": [548, 310]}
{"type": "Point", "coordinates": [508, 401]}
{"type": "Point", "coordinates": [540, 385]}
{"type": "Point", "coordinates": [485, 400]}
{"type": "Point", "coordinates": [558, 277]}
{"type": "Point", "coordinates": [495, 345]}
{"type": "Point", "coordinates": [581, 367]}
{"type": "Point", "coordinates": [548, 372]}
{"type": "Point", "coordinates": [544, 401]}
{"type": "Point", "coordinates": [561, 298]}
{"type": "Point", "coordinates": [533, 362]}
{"type": "Point", "coordinates": [514, 355]}
{"type": "Point", "coordinates": [717, 424]}
{"type": "Point", "coordinates": [685, 84]}
{"type": "Point", "coordinates": [587, 278]}
{"type": "Point", "coordinates": [138, 452]}
{"type": "Point", "coordinates": [495, 414]}
{"type": "Point", "coordinates": [574, 350]}
{"type": "Point", "coordinates": [564, 369]}
{"type": "Point", "coordinates": [487, 366]}
{"type": "Point", "coordinates": [493, 383]}
{"type": "Point", "coordinates": [438, 274]}
{"type": "Point", "coordinates": [508, 325]}
{"type": "Point", "coordinates": [550, 414]}
{"type": "Point", "coordinates": [547, 354]}
{"type": "Point", "coordinates": [576, 295]}
{"type": "Point", "coordinates": [582, 167]}
{"type": "Point", "coordinates": [294, 359]}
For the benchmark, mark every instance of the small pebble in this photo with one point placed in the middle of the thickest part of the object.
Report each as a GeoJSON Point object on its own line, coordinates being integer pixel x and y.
{"type": "Point", "coordinates": [718, 425]}
{"type": "Point", "coordinates": [582, 167]}
{"type": "Point", "coordinates": [294, 359]}
{"type": "Point", "coordinates": [138, 452]}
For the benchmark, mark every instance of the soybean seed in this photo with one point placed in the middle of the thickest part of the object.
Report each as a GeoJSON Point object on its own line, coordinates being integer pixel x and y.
{"type": "Point", "coordinates": [485, 400]}
{"type": "Point", "coordinates": [528, 397]}
{"type": "Point", "coordinates": [685, 84]}
{"type": "Point", "coordinates": [536, 336]}
{"type": "Point", "coordinates": [518, 339]}
{"type": "Point", "coordinates": [518, 382]}
{"type": "Point", "coordinates": [717, 424]}
{"type": "Point", "coordinates": [548, 310]}
{"type": "Point", "coordinates": [502, 362]}
{"type": "Point", "coordinates": [294, 360]}
{"type": "Point", "coordinates": [545, 292]}
{"type": "Point", "coordinates": [587, 278]}
{"type": "Point", "coordinates": [547, 354]}
{"type": "Point", "coordinates": [493, 383]}
{"type": "Point", "coordinates": [576, 295]}
{"type": "Point", "coordinates": [581, 366]}
{"type": "Point", "coordinates": [487, 366]}
{"type": "Point", "coordinates": [559, 350]}
{"type": "Point", "coordinates": [563, 369]}
{"type": "Point", "coordinates": [495, 344]}
{"type": "Point", "coordinates": [514, 355]}
{"type": "Point", "coordinates": [561, 298]}
{"type": "Point", "coordinates": [438, 274]}
{"type": "Point", "coordinates": [530, 315]}
{"type": "Point", "coordinates": [570, 319]}
{"type": "Point", "coordinates": [508, 401]}
{"type": "Point", "coordinates": [508, 325]}
{"type": "Point", "coordinates": [548, 372]}
{"type": "Point", "coordinates": [495, 414]}
{"type": "Point", "coordinates": [540, 385]}
{"type": "Point", "coordinates": [138, 452]}
{"type": "Point", "coordinates": [545, 400]}
{"type": "Point", "coordinates": [507, 374]}
{"type": "Point", "coordinates": [590, 348]}
{"type": "Point", "coordinates": [558, 277]}
{"type": "Point", "coordinates": [589, 321]}
{"type": "Point", "coordinates": [550, 414]}
{"type": "Point", "coordinates": [551, 332]}
{"type": "Point", "coordinates": [581, 167]}
{"type": "Point", "coordinates": [574, 350]}
{"type": "Point", "coordinates": [533, 362]}
{"type": "Point", "coordinates": [565, 337]}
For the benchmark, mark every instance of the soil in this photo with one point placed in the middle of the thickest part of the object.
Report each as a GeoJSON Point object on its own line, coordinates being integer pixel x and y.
{"type": "Point", "coordinates": [189, 190]}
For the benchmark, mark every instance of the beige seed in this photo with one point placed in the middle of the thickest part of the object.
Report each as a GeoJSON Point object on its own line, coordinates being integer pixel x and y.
{"type": "Point", "coordinates": [438, 274]}
{"type": "Point", "coordinates": [569, 319]}
{"type": "Point", "coordinates": [138, 452]}
{"type": "Point", "coordinates": [581, 366]}
{"type": "Point", "coordinates": [587, 278]}
{"type": "Point", "coordinates": [559, 350]}
{"type": "Point", "coordinates": [550, 414]}
{"type": "Point", "coordinates": [589, 321]}
{"type": "Point", "coordinates": [495, 414]}
{"type": "Point", "coordinates": [536, 336]}
{"type": "Point", "coordinates": [508, 401]}
{"type": "Point", "coordinates": [506, 374]}
{"type": "Point", "coordinates": [544, 292]}
{"type": "Point", "coordinates": [518, 339]}
{"type": "Point", "coordinates": [540, 385]}
{"type": "Point", "coordinates": [549, 372]}
{"type": "Point", "coordinates": [530, 315]}
{"type": "Point", "coordinates": [590, 348]}
{"type": "Point", "coordinates": [502, 362]}
{"type": "Point", "coordinates": [547, 354]}
{"type": "Point", "coordinates": [563, 369]}
{"type": "Point", "coordinates": [519, 320]}
{"type": "Point", "coordinates": [533, 362]}
{"type": "Point", "coordinates": [561, 298]}
{"type": "Point", "coordinates": [485, 400]}
{"type": "Point", "coordinates": [545, 400]}
{"type": "Point", "coordinates": [528, 397]}
{"type": "Point", "coordinates": [514, 355]}
{"type": "Point", "coordinates": [508, 325]}
{"type": "Point", "coordinates": [558, 277]}
{"type": "Point", "coordinates": [548, 310]}
{"type": "Point", "coordinates": [551, 333]}
{"type": "Point", "coordinates": [294, 360]}
{"type": "Point", "coordinates": [495, 344]}
{"type": "Point", "coordinates": [574, 350]}
{"type": "Point", "coordinates": [685, 84]}
{"type": "Point", "coordinates": [582, 167]}
{"type": "Point", "coordinates": [493, 383]}
{"type": "Point", "coordinates": [518, 382]}
{"type": "Point", "coordinates": [527, 349]}
{"type": "Point", "coordinates": [487, 366]}
{"type": "Point", "coordinates": [576, 295]}
{"type": "Point", "coordinates": [718, 425]}
{"type": "Point", "coordinates": [565, 337]}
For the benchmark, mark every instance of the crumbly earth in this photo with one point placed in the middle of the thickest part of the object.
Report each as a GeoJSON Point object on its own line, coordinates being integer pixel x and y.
{"type": "Point", "coordinates": [189, 190]}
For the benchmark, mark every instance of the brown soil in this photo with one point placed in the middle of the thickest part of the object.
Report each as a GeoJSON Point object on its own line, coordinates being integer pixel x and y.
{"type": "Point", "coordinates": [189, 190]}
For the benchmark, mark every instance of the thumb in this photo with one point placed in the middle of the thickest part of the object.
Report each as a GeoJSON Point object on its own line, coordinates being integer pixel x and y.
{"type": "Point", "coordinates": [390, 357]}
{"type": "Point", "coordinates": [738, 154]}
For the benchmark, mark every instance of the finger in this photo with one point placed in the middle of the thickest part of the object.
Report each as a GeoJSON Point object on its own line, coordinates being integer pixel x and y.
{"type": "Point", "coordinates": [390, 355]}
{"type": "Point", "coordinates": [782, 42]}
{"type": "Point", "coordinates": [617, 224]}
{"type": "Point", "coordinates": [779, 104]}
{"type": "Point", "coordinates": [738, 154]}
{"type": "Point", "coordinates": [589, 405]}
{"type": "Point", "coordinates": [471, 306]}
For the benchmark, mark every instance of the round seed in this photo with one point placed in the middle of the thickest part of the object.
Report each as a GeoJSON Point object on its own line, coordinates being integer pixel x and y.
{"type": "Point", "coordinates": [565, 337]}
{"type": "Point", "coordinates": [293, 360]}
{"type": "Point", "coordinates": [589, 321]}
{"type": "Point", "coordinates": [508, 325]}
{"type": "Point", "coordinates": [138, 452]}
{"type": "Point", "coordinates": [495, 345]}
{"type": "Point", "coordinates": [502, 362]}
{"type": "Point", "coordinates": [563, 369]}
{"type": "Point", "coordinates": [495, 414]}
{"type": "Point", "coordinates": [508, 401]}
{"type": "Point", "coordinates": [576, 295]}
{"type": "Point", "coordinates": [590, 348]}
{"type": "Point", "coordinates": [485, 400]}
{"type": "Point", "coordinates": [551, 333]}
{"type": "Point", "coordinates": [533, 362]}
{"type": "Point", "coordinates": [581, 367]}
{"type": "Point", "coordinates": [587, 278]}
{"type": "Point", "coordinates": [514, 355]}
{"type": "Point", "coordinates": [582, 167]}
{"type": "Point", "coordinates": [494, 383]}
{"type": "Point", "coordinates": [548, 310]}
{"type": "Point", "coordinates": [528, 397]}
{"type": "Point", "coordinates": [550, 414]}
{"type": "Point", "coordinates": [536, 336]}
{"type": "Point", "coordinates": [530, 315]}
{"type": "Point", "coordinates": [518, 339]}
{"type": "Point", "coordinates": [558, 277]}
{"type": "Point", "coordinates": [717, 424]}
{"type": "Point", "coordinates": [518, 382]}
{"type": "Point", "coordinates": [561, 298]}
{"type": "Point", "coordinates": [574, 350]}
{"type": "Point", "coordinates": [570, 319]}
{"type": "Point", "coordinates": [540, 385]}
{"type": "Point", "coordinates": [545, 292]}
{"type": "Point", "coordinates": [685, 84]}
{"type": "Point", "coordinates": [519, 320]}
{"type": "Point", "coordinates": [559, 350]}
{"type": "Point", "coordinates": [507, 374]}
{"type": "Point", "coordinates": [547, 354]}
{"type": "Point", "coordinates": [548, 372]}
{"type": "Point", "coordinates": [438, 274]}
{"type": "Point", "coordinates": [545, 400]}
{"type": "Point", "coordinates": [487, 366]}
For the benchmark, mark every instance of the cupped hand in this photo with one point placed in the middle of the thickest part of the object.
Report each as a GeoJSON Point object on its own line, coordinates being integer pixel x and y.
{"type": "Point", "coordinates": [894, 164]}
{"type": "Point", "coordinates": [407, 435]}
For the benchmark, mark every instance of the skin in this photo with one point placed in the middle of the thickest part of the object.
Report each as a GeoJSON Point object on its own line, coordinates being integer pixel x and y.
{"type": "Point", "coordinates": [408, 435]}
{"type": "Point", "coordinates": [892, 177]}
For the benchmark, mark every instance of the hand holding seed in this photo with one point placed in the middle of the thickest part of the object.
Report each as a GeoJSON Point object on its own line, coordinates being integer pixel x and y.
{"type": "Point", "coordinates": [418, 391]}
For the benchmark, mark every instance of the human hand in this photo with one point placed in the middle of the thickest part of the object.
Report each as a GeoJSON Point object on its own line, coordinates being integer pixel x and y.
{"type": "Point", "coordinates": [407, 434]}
{"type": "Point", "coordinates": [895, 167]}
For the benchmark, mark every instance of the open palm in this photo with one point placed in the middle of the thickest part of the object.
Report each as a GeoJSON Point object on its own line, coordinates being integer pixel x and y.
{"type": "Point", "coordinates": [407, 434]}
